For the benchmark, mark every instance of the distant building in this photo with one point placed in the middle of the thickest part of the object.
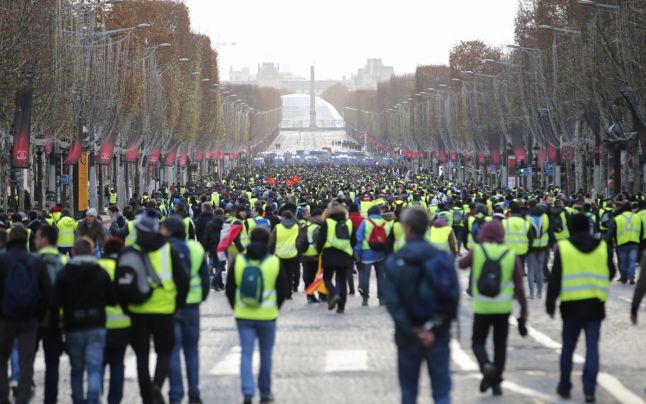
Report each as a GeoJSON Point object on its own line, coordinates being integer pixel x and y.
{"type": "Point", "coordinates": [241, 75]}
{"type": "Point", "coordinates": [371, 74]}
{"type": "Point", "coordinates": [269, 75]}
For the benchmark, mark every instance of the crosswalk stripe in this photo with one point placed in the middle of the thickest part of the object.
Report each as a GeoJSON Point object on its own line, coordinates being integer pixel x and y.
{"type": "Point", "coordinates": [461, 358]}
{"type": "Point", "coordinates": [346, 361]}
{"type": "Point", "coordinates": [230, 365]}
{"type": "Point", "coordinates": [131, 365]}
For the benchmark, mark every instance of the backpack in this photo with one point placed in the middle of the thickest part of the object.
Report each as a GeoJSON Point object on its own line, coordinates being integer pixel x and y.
{"type": "Point", "coordinates": [302, 242]}
{"type": "Point", "coordinates": [378, 239]}
{"type": "Point", "coordinates": [458, 217]}
{"type": "Point", "coordinates": [490, 276]}
{"type": "Point", "coordinates": [438, 289]}
{"type": "Point", "coordinates": [475, 228]}
{"type": "Point", "coordinates": [251, 286]}
{"type": "Point", "coordinates": [556, 221]}
{"type": "Point", "coordinates": [135, 277]}
{"type": "Point", "coordinates": [20, 295]}
{"type": "Point", "coordinates": [54, 265]}
{"type": "Point", "coordinates": [341, 230]}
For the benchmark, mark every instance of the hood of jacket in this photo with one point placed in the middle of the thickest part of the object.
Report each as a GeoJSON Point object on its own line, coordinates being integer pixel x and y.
{"type": "Point", "coordinates": [257, 251]}
{"type": "Point", "coordinates": [289, 223]}
{"type": "Point", "coordinates": [440, 222]}
{"type": "Point", "coordinates": [492, 232]}
{"type": "Point", "coordinates": [584, 242]}
{"type": "Point", "coordinates": [81, 268]}
{"type": "Point", "coordinates": [416, 251]}
{"type": "Point", "coordinates": [149, 241]}
{"type": "Point", "coordinates": [337, 213]}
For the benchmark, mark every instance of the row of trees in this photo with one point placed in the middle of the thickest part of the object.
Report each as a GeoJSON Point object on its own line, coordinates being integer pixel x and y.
{"type": "Point", "coordinates": [127, 89]}
{"type": "Point", "coordinates": [563, 105]}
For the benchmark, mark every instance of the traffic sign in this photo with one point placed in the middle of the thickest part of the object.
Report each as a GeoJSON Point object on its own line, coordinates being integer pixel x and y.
{"type": "Point", "coordinates": [64, 179]}
{"type": "Point", "coordinates": [549, 169]}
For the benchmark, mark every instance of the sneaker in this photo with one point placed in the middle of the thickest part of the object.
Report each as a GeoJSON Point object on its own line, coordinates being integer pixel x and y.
{"type": "Point", "coordinates": [311, 300]}
{"type": "Point", "coordinates": [622, 281]}
{"type": "Point", "coordinates": [268, 399]}
{"type": "Point", "coordinates": [564, 394]}
{"type": "Point", "coordinates": [488, 373]}
{"type": "Point", "coordinates": [632, 282]}
{"type": "Point", "coordinates": [364, 303]}
{"type": "Point", "coordinates": [496, 390]}
{"type": "Point", "coordinates": [340, 310]}
{"type": "Point", "coordinates": [248, 400]}
{"type": "Point", "coordinates": [539, 296]}
{"type": "Point", "coordinates": [157, 396]}
{"type": "Point", "coordinates": [531, 297]}
{"type": "Point", "coordinates": [331, 303]}
{"type": "Point", "coordinates": [589, 398]}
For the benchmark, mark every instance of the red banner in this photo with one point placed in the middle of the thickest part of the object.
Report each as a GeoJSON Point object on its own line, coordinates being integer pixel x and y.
{"type": "Point", "coordinates": [74, 153]}
{"type": "Point", "coordinates": [170, 158]}
{"type": "Point", "coordinates": [49, 143]}
{"type": "Point", "coordinates": [207, 155]}
{"type": "Point", "coordinates": [198, 155]}
{"type": "Point", "coordinates": [132, 154]}
{"type": "Point", "coordinates": [22, 130]}
{"type": "Point", "coordinates": [482, 159]}
{"type": "Point", "coordinates": [107, 150]}
{"type": "Point", "coordinates": [183, 160]}
{"type": "Point", "coordinates": [495, 156]}
{"type": "Point", "coordinates": [154, 157]}
{"type": "Point", "coordinates": [552, 153]}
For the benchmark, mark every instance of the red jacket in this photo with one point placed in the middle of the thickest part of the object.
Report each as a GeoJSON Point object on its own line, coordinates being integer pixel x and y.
{"type": "Point", "coordinates": [356, 219]}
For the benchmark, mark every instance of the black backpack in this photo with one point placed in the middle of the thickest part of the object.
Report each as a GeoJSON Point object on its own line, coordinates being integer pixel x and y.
{"type": "Point", "coordinates": [302, 242]}
{"type": "Point", "coordinates": [475, 228]}
{"type": "Point", "coordinates": [491, 275]}
{"type": "Point", "coordinates": [556, 222]}
{"type": "Point", "coordinates": [341, 230]}
{"type": "Point", "coordinates": [21, 292]}
{"type": "Point", "coordinates": [135, 277]}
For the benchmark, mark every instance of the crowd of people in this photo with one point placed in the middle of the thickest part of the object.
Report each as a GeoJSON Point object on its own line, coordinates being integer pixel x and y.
{"type": "Point", "coordinates": [94, 286]}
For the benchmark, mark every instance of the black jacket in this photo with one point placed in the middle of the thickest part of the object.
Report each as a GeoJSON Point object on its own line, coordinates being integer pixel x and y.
{"type": "Point", "coordinates": [211, 237]}
{"type": "Point", "coordinates": [19, 248]}
{"type": "Point", "coordinates": [82, 290]}
{"type": "Point", "coordinates": [588, 309]}
{"type": "Point", "coordinates": [201, 222]}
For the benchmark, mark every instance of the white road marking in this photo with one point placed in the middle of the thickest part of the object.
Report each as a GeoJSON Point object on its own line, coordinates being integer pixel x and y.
{"type": "Point", "coordinates": [131, 365]}
{"type": "Point", "coordinates": [461, 358]}
{"type": "Point", "coordinates": [610, 383]}
{"type": "Point", "coordinates": [39, 362]}
{"type": "Point", "coordinates": [230, 365]}
{"type": "Point", "coordinates": [346, 361]}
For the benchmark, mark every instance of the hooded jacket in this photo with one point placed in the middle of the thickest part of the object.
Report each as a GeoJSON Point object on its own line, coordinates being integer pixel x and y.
{"type": "Point", "coordinates": [331, 257]}
{"type": "Point", "coordinates": [82, 290]}
{"type": "Point", "coordinates": [492, 232]}
{"type": "Point", "coordinates": [588, 309]}
{"type": "Point", "coordinates": [212, 234]}
{"type": "Point", "coordinates": [288, 223]}
{"type": "Point", "coordinates": [96, 231]}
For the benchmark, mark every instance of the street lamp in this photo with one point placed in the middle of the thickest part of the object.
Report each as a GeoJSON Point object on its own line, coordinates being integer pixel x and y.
{"type": "Point", "coordinates": [598, 5]}
{"type": "Point", "coordinates": [560, 30]}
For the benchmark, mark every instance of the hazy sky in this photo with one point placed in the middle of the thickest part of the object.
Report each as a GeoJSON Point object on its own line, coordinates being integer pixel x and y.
{"type": "Point", "coordinates": [339, 35]}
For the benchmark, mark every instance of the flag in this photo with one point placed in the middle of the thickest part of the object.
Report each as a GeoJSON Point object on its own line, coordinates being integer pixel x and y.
{"type": "Point", "coordinates": [169, 160]}
{"type": "Point", "coordinates": [74, 153]}
{"type": "Point", "coordinates": [132, 154]}
{"type": "Point", "coordinates": [183, 160]}
{"type": "Point", "coordinates": [154, 156]}
{"type": "Point", "coordinates": [199, 155]}
{"type": "Point", "coordinates": [49, 143]}
{"type": "Point", "coordinates": [22, 130]}
{"type": "Point", "coordinates": [318, 285]}
{"type": "Point", "coordinates": [271, 180]}
{"type": "Point", "coordinates": [106, 151]}
{"type": "Point", "coordinates": [296, 178]}
{"type": "Point", "coordinates": [228, 234]}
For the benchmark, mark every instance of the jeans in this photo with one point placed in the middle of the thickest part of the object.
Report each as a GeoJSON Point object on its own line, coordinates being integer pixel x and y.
{"type": "Point", "coordinates": [341, 287]}
{"type": "Point", "coordinates": [364, 278]}
{"type": "Point", "coordinates": [85, 349]}
{"type": "Point", "coordinates": [218, 268]}
{"type": "Point", "coordinates": [161, 327]}
{"type": "Point", "coordinates": [53, 348]}
{"type": "Point", "coordinates": [114, 357]}
{"type": "Point", "coordinates": [24, 331]}
{"type": "Point", "coordinates": [187, 337]}
{"type": "Point", "coordinates": [265, 331]}
{"type": "Point", "coordinates": [437, 357]}
{"type": "Point", "coordinates": [459, 235]}
{"type": "Point", "coordinates": [15, 362]}
{"type": "Point", "coordinates": [500, 325]}
{"type": "Point", "coordinates": [627, 257]}
{"type": "Point", "coordinates": [535, 276]}
{"type": "Point", "coordinates": [571, 331]}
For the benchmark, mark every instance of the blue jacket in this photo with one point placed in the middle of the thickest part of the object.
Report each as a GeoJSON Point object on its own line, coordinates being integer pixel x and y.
{"type": "Point", "coordinates": [367, 256]}
{"type": "Point", "coordinates": [402, 279]}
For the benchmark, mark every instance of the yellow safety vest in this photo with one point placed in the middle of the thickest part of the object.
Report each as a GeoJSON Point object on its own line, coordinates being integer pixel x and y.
{"type": "Point", "coordinates": [311, 249]}
{"type": "Point", "coordinates": [115, 317]}
{"type": "Point", "coordinates": [516, 229]}
{"type": "Point", "coordinates": [162, 300]}
{"type": "Point", "coordinates": [368, 229]}
{"type": "Point", "coordinates": [364, 207]}
{"type": "Point", "coordinates": [642, 216]}
{"type": "Point", "coordinates": [268, 310]}
{"type": "Point", "coordinates": [629, 228]}
{"type": "Point", "coordinates": [197, 258]}
{"type": "Point", "coordinates": [503, 303]}
{"type": "Point", "coordinates": [470, 222]}
{"type": "Point", "coordinates": [584, 275]}
{"type": "Point", "coordinates": [333, 242]}
{"type": "Point", "coordinates": [541, 240]}
{"type": "Point", "coordinates": [439, 237]}
{"type": "Point", "coordinates": [131, 238]}
{"type": "Point", "coordinates": [66, 228]}
{"type": "Point", "coordinates": [215, 199]}
{"type": "Point", "coordinates": [398, 234]}
{"type": "Point", "coordinates": [286, 241]}
{"type": "Point", "coordinates": [245, 234]}
{"type": "Point", "coordinates": [112, 199]}
{"type": "Point", "coordinates": [565, 233]}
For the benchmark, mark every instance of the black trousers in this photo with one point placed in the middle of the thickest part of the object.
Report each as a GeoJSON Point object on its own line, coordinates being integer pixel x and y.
{"type": "Point", "coordinates": [309, 271]}
{"type": "Point", "coordinates": [25, 331]}
{"type": "Point", "coordinates": [291, 267]}
{"type": "Point", "coordinates": [341, 287]}
{"type": "Point", "coordinates": [481, 325]}
{"type": "Point", "coordinates": [161, 327]}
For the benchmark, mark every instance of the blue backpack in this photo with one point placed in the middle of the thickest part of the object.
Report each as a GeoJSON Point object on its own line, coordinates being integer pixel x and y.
{"type": "Point", "coordinates": [20, 295]}
{"type": "Point", "coordinates": [438, 288]}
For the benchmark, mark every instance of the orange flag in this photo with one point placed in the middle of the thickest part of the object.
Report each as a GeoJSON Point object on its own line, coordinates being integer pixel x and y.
{"type": "Point", "coordinates": [318, 285]}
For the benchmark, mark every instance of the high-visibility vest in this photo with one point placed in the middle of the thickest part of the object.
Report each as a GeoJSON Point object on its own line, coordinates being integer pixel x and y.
{"type": "Point", "coordinates": [66, 228]}
{"type": "Point", "coordinates": [311, 249]}
{"type": "Point", "coordinates": [439, 237]}
{"type": "Point", "coordinates": [470, 222]}
{"type": "Point", "coordinates": [629, 227]}
{"type": "Point", "coordinates": [398, 234]}
{"type": "Point", "coordinates": [115, 317]}
{"type": "Point", "coordinates": [131, 238]}
{"type": "Point", "coordinates": [112, 198]}
{"type": "Point", "coordinates": [584, 275]}
{"type": "Point", "coordinates": [458, 211]}
{"type": "Point", "coordinates": [541, 240]}
{"type": "Point", "coordinates": [187, 226]}
{"type": "Point", "coordinates": [642, 216]}
{"type": "Point", "coordinates": [448, 216]}
{"type": "Point", "coordinates": [364, 207]}
{"type": "Point", "coordinates": [368, 229]}
{"type": "Point", "coordinates": [215, 199]}
{"type": "Point", "coordinates": [53, 218]}
{"type": "Point", "coordinates": [245, 234]}
{"type": "Point", "coordinates": [196, 252]}
{"type": "Point", "coordinates": [286, 241]}
{"type": "Point", "coordinates": [433, 210]}
{"type": "Point", "coordinates": [268, 309]}
{"type": "Point", "coordinates": [503, 303]}
{"type": "Point", "coordinates": [602, 212]}
{"type": "Point", "coordinates": [333, 242]}
{"type": "Point", "coordinates": [162, 300]}
{"type": "Point", "coordinates": [565, 233]}
{"type": "Point", "coordinates": [516, 238]}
